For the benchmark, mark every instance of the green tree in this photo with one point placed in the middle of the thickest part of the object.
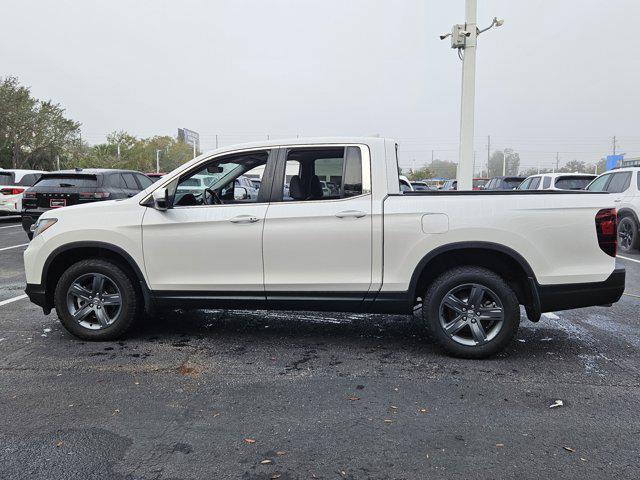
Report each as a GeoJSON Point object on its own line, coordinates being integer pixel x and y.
{"type": "Point", "coordinates": [443, 169]}
{"type": "Point", "coordinates": [575, 166]}
{"type": "Point", "coordinates": [419, 174]}
{"type": "Point", "coordinates": [496, 162]}
{"type": "Point", "coordinates": [32, 132]}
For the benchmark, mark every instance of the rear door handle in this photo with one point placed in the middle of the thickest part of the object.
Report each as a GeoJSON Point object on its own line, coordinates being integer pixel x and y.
{"type": "Point", "coordinates": [351, 214]}
{"type": "Point", "coordinates": [618, 200]}
{"type": "Point", "coordinates": [244, 219]}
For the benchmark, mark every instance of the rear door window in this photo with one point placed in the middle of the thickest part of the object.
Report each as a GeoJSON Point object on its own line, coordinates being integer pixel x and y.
{"type": "Point", "coordinates": [130, 181]}
{"type": "Point", "coordinates": [535, 183]}
{"type": "Point", "coordinates": [619, 183]}
{"type": "Point", "coordinates": [144, 181]}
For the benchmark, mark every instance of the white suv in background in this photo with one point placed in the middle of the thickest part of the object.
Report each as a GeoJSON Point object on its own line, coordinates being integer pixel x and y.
{"type": "Point", "coordinates": [624, 185]}
{"type": "Point", "coordinates": [557, 181]}
{"type": "Point", "coordinates": [13, 183]}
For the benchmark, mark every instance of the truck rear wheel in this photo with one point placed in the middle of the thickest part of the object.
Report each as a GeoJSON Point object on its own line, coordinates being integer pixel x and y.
{"type": "Point", "coordinates": [471, 312]}
{"type": "Point", "coordinates": [96, 300]}
{"type": "Point", "coordinates": [628, 235]}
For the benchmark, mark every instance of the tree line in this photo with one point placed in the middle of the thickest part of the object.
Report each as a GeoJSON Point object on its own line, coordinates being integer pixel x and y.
{"type": "Point", "coordinates": [36, 134]}
{"type": "Point", "coordinates": [506, 160]}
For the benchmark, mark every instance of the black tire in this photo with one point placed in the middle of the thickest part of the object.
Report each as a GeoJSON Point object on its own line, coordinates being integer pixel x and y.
{"type": "Point", "coordinates": [628, 235]}
{"type": "Point", "coordinates": [130, 305]}
{"type": "Point", "coordinates": [499, 333]}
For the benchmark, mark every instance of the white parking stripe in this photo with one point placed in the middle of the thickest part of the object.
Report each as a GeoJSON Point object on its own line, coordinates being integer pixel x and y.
{"type": "Point", "coordinates": [14, 246]}
{"type": "Point", "coordinates": [14, 299]}
{"type": "Point", "coordinates": [630, 259]}
{"type": "Point", "coordinates": [11, 226]}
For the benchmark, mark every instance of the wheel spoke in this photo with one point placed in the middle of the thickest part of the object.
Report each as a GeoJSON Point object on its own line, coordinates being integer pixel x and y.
{"type": "Point", "coordinates": [98, 284]}
{"type": "Point", "coordinates": [454, 303]}
{"type": "Point", "coordinates": [110, 299]}
{"type": "Point", "coordinates": [82, 313]}
{"type": "Point", "coordinates": [455, 326]}
{"type": "Point", "coordinates": [80, 292]}
{"type": "Point", "coordinates": [477, 330]}
{"type": "Point", "coordinates": [491, 313]}
{"type": "Point", "coordinates": [102, 317]}
{"type": "Point", "coordinates": [476, 295]}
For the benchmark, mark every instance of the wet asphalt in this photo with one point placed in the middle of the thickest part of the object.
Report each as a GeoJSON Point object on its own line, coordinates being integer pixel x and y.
{"type": "Point", "coordinates": [268, 395]}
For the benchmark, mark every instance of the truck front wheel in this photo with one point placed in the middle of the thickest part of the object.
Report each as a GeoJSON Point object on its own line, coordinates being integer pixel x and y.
{"type": "Point", "coordinates": [472, 312]}
{"type": "Point", "coordinates": [96, 300]}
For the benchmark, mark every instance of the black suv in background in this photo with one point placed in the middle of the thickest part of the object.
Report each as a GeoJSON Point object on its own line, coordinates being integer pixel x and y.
{"type": "Point", "coordinates": [504, 183]}
{"type": "Point", "coordinates": [73, 187]}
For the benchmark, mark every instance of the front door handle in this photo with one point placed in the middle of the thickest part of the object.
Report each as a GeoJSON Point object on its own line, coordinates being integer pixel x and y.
{"type": "Point", "coordinates": [244, 219]}
{"type": "Point", "coordinates": [351, 214]}
{"type": "Point", "coordinates": [618, 200]}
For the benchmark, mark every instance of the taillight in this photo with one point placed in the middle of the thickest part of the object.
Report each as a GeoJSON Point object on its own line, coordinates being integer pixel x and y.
{"type": "Point", "coordinates": [11, 191]}
{"type": "Point", "coordinates": [93, 195]}
{"type": "Point", "coordinates": [607, 230]}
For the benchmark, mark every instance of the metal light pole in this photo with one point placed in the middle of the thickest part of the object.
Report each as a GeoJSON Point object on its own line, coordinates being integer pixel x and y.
{"type": "Point", "coordinates": [158, 161]}
{"type": "Point", "coordinates": [504, 162]}
{"type": "Point", "coordinates": [464, 39]}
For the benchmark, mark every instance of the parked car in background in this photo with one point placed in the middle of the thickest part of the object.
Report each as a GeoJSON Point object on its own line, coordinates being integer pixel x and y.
{"type": "Point", "coordinates": [419, 186]}
{"type": "Point", "coordinates": [624, 186]}
{"type": "Point", "coordinates": [13, 184]}
{"type": "Point", "coordinates": [155, 176]}
{"type": "Point", "coordinates": [405, 184]}
{"type": "Point", "coordinates": [477, 184]}
{"type": "Point", "coordinates": [247, 184]}
{"type": "Point", "coordinates": [72, 187]}
{"type": "Point", "coordinates": [256, 183]}
{"type": "Point", "coordinates": [470, 261]}
{"type": "Point", "coordinates": [557, 181]}
{"type": "Point", "coordinates": [504, 183]}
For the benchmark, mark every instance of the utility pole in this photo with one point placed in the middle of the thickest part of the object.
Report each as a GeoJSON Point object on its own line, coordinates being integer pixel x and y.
{"type": "Point", "coordinates": [504, 162]}
{"type": "Point", "coordinates": [614, 144]}
{"type": "Point", "coordinates": [194, 149]}
{"type": "Point", "coordinates": [464, 39]}
{"type": "Point", "coordinates": [557, 162]}
{"type": "Point", "coordinates": [488, 151]}
{"type": "Point", "coordinates": [431, 156]}
{"type": "Point", "coordinates": [118, 152]}
{"type": "Point", "coordinates": [158, 161]}
{"type": "Point", "coordinates": [216, 141]}
{"type": "Point", "coordinates": [58, 162]}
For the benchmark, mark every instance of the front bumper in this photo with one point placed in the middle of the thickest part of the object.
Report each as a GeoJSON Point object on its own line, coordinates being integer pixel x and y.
{"type": "Point", "coordinates": [579, 295]}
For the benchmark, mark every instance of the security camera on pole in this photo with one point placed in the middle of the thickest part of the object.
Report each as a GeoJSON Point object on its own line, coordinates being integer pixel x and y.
{"type": "Point", "coordinates": [464, 39]}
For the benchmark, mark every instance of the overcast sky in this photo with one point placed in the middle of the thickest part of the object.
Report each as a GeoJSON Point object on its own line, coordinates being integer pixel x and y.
{"type": "Point", "coordinates": [560, 75]}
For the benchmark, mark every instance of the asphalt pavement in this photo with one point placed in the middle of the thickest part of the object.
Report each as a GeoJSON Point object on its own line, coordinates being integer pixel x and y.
{"type": "Point", "coordinates": [267, 395]}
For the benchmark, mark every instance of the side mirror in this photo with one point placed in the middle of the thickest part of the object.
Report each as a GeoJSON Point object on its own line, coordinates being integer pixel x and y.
{"type": "Point", "coordinates": [161, 199]}
{"type": "Point", "coordinates": [240, 193]}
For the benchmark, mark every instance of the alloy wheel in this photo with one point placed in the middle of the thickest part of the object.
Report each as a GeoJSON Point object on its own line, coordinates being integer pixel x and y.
{"type": "Point", "coordinates": [94, 301]}
{"type": "Point", "coordinates": [625, 235]}
{"type": "Point", "coordinates": [471, 314]}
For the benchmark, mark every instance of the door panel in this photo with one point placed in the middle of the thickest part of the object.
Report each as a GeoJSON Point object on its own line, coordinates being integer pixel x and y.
{"type": "Point", "coordinates": [214, 248]}
{"type": "Point", "coordinates": [318, 246]}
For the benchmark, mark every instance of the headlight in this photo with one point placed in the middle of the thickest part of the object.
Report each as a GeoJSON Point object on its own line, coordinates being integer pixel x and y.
{"type": "Point", "coordinates": [41, 225]}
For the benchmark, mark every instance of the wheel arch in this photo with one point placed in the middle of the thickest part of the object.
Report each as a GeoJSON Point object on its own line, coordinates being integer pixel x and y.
{"type": "Point", "coordinates": [628, 212]}
{"type": "Point", "coordinates": [498, 258]}
{"type": "Point", "coordinates": [66, 255]}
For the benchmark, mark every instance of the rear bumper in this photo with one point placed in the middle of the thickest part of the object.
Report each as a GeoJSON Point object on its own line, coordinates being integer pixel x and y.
{"type": "Point", "coordinates": [579, 295]}
{"type": "Point", "coordinates": [38, 295]}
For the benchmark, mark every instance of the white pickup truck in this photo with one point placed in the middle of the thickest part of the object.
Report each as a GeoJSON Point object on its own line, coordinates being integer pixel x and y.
{"type": "Point", "coordinates": [469, 258]}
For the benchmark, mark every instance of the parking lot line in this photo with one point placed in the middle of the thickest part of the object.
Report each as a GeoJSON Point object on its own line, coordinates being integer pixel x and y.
{"type": "Point", "coordinates": [630, 259]}
{"type": "Point", "coordinates": [11, 226]}
{"type": "Point", "coordinates": [14, 246]}
{"type": "Point", "coordinates": [11, 300]}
